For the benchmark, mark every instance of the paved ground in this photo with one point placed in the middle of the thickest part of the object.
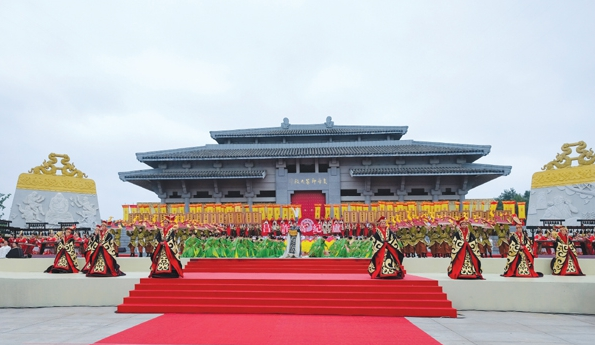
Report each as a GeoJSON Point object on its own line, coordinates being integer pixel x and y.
{"type": "Point", "coordinates": [481, 327]}
{"type": "Point", "coordinates": [86, 325]}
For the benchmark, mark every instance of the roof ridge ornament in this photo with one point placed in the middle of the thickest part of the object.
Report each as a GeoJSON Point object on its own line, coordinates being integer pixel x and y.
{"type": "Point", "coordinates": [563, 160]}
{"type": "Point", "coordinates": [329, 122]}
{"type": "Point", "coordinates": [285, 124]}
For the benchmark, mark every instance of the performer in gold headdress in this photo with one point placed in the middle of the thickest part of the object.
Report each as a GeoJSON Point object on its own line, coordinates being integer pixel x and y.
{"type": "Point", "coordinates": [566, 262]}
{"type": "Point", "coordinates": [65, 261]}
{"type": "Point", "coordinates": [464, 258]}
{"type": "Point", "coordinates": [387, 257]}
{"type": "Point", "coordinates": [165, 263]}
{"type": "Point", "coordinates": [520, 257]}
{"type": "Point", "coordinates": [102, 260]}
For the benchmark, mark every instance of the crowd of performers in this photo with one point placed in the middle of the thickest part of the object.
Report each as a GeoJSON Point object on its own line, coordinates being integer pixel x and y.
{"type": "Point", "coordinates": [465, 253]}
{"type": "Point", "coordinates": [100, 253]}
{"type": "Point", "coordinates": [334, 238]}
{"type": "Point", "coordinates": [464, 241]}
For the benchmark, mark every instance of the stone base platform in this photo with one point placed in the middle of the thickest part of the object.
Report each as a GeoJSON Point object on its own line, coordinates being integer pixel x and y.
{"type": "Point", "coordinates": [24, 285]}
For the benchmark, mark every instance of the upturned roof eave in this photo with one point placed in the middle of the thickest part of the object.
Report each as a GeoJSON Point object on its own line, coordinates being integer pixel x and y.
{"type": "Point", "coordinates": [495, 170]}
{"type": "Point", "coordinates": [297, 131]}
{"type": "Point", "coordinates": [177, 159]}
{"type": "Point", "coordinates": [156, 174]}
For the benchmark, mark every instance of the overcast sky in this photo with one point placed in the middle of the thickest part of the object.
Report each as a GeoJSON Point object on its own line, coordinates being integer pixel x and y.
{"type": "Point", "coordinates": [101, 81]}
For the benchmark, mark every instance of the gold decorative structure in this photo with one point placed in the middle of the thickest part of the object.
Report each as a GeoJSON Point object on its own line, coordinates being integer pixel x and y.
{"type": "Point", "coordinates": [561, 172]}
{"type": "Point", "coordinates": [49, 167]}
{"type": "Point", "coordinates": [45, 177]}
{"type": "Point", "coordinates": [563, 160]}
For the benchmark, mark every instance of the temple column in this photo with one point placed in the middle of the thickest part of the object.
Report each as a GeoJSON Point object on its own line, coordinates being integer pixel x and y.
{"type": "Point", "coordinates": [217, 195]}
{"type": "Point", "coordinates": [401, 192]}
{"type": "Point", "coordinates": [249, 193]}
{"type": "Point", "coordinates": [436, 192]}
{"type": "Point", "coordinates": [282, 183]}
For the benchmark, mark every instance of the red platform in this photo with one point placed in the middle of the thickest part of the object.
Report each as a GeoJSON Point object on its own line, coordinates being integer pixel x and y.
{"type": "Point", "coordinates": [287, 286]}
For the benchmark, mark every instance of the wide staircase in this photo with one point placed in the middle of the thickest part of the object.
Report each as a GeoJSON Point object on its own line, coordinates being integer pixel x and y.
{"type": "Point", "coordinates": [287, 286]}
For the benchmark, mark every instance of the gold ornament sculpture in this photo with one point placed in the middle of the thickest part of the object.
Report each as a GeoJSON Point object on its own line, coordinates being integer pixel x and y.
{"type": "Point", "coordinates": [563, 160]}
{"type": "Point", "coordinates": [45, 177]}
{"type": "Point", "coordinates": [561, 172]}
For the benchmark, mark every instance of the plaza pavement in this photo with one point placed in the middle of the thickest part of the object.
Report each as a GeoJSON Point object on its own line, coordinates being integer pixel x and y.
{"type": "Point", "coordinates": [86, 325]}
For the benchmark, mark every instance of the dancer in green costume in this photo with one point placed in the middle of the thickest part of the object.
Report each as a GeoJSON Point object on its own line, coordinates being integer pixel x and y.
{"type": "Point", "coordinates": [190, 247]}
{"type": "Point", "coordinates": [317, 249]}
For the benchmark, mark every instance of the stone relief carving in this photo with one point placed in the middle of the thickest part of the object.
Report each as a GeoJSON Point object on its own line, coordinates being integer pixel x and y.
{"type": "Point", "coordinates": [88, 211]}
{"type": "Point", "coordinates": [562, 202]}
{"type": "Point", "coordinates": [58, 210]}
{"type": "Point", "coordinates": [31, 208]}
{"type": "Point", "coordinates": [560, 208]}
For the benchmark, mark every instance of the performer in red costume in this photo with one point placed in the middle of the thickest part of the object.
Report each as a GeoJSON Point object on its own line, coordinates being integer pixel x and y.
{"type": "Point", "coordinates": [464, 257]}
{"type": "Point", "coordinates": [519, 262]}
{"type": "Point", "coordinates": [566, 262]}
{"type": "Point", "coordinates": [102, 257]}
{"type": "Point", "coordinates": [65, 261]}
{"type": "Point", "coordinates": [165, 262]}
{"type": "Point", "coordinates": [387, 257]}
{"type": "Point", "coordinates": [266, 228]}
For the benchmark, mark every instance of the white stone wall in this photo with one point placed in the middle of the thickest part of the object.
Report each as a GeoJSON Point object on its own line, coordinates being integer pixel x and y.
{"type": "Point", "coordinates": [571, 202]}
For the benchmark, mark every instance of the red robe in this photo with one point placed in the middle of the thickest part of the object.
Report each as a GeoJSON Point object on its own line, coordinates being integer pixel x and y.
{"type": "Point", "coordinates": [519, 262]}
{"type": "Point", "coordinates": [565, 263]}
{"type": "Point", "coordinates": [266, 229]}
{"type": "Point", "coordinates": [464, 258]}
{"type": "Point", "coordinates": [65, 261]}
{"type": "Point", "coordinates": [102, 261]}
{"type": "Point", "coordinates": [165, 262]}
{"type": "Point", "coordinates": [387, 257]}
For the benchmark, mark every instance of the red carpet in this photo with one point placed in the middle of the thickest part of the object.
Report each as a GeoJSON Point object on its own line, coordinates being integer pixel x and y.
{"type": "Point", "coordinates": [244, 329]}
{"type": "Point", "coordinates": [313, 287]}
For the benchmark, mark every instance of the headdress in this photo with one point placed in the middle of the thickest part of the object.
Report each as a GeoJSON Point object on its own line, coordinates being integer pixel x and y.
{"type": "Point", "coordinates": [381, 219]}
{"type": "Point", "coordinates": [462, 220]}
{"type": "Point", "coordinates": [170, 218]}
{"type": "Point", "coordinates": [516, 220]}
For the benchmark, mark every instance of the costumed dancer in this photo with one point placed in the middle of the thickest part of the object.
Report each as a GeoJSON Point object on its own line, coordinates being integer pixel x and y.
{"type": "Point", "coordinates": [294, 241]}
{"type": "Point", "coordinates": [566, 262]}
{"type": "Point", "coordinates": [434, 236]}
{"type": "Point", "coordinates": [387, 257]}
{"type": "Point", "coordinates": [487, 242]}
{"type": "Point", "coordinates": [65, 261]}
{"type": "Point", "coordinates": [165, 262]}
{"type": "Point", "coordinates": [141, 238]}
{"type": "Point", "coordinates": [294, 244]}
{"type": "Point", "coordinates": [503, 233]}
{"type": "Point", "coordinates": [446, 240]}
{"type": "Point", "coordinates": [90, 248]}
{"type": "Point", "coordinates": [519, 262]}
{"type": "Point", "coordinates": [102, 259]}
{"type": "Point", "coordinates": [149, 235]}
{"type": "Point", "coordinates": [464, 257]}
{"type": "Point", "coordinates": [117, 233]}
{"type": "Point", "coordinates": [419, 237]}
{"type": "Point", "coordinates": [132, 232]}
{"type": "Point", "coordinates": [476, 231]}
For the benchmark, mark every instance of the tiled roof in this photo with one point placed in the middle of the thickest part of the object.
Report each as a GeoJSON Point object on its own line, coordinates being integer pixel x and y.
{"type": "Point", "coordinates": [315, 150]}
{"type": "Point", "coordinates": [465, 169]}
{"type": "Point", "coordinates": [160, 174]}
{"type": "Point", "coordinates": [309, 130]}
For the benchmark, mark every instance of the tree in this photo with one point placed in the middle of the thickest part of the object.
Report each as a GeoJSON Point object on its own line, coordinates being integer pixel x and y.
{"type": "Point", "coordinates": [512, 195]}
{"type": "Point", "coordinates": [3, 198]}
